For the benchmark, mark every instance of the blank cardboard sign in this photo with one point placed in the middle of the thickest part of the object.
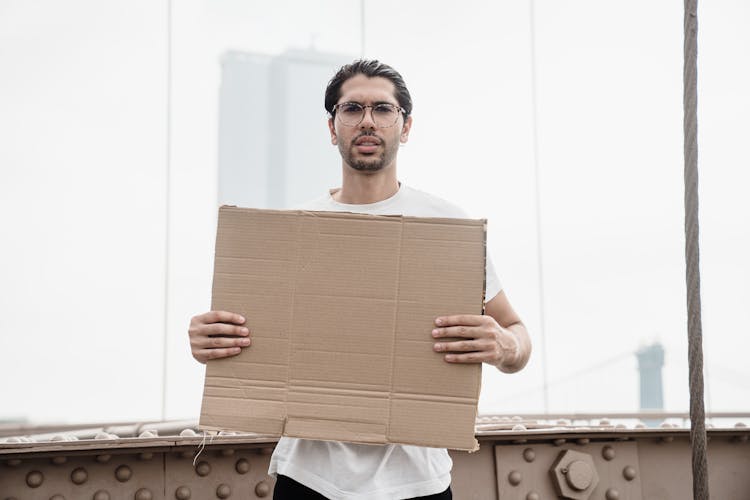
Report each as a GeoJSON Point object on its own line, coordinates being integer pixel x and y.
{"type": "Point", "coordinates": [340, 307]}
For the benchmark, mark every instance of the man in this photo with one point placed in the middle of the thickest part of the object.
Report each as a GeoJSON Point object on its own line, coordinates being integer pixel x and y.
{"type": "Point", "coordinates": [370, 116]}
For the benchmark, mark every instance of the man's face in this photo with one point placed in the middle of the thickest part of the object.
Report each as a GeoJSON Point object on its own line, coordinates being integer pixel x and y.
{"type": "Point", "coordinates": [366, 147]}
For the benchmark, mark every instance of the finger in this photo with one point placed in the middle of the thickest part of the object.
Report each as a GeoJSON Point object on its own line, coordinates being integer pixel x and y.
{"type": "Point", "coordinates": [470, 332]}
{"type": "Point", "coordinates": [219, 329]}
{"type": "Point", "coordinates": [222, 317]}
{"type": "Point", "coordinates": [460, 319]}
{"type": "Point", "coordinates": [463, 346]}
{"type": "Point", "coordinates": [471, 357]}
{"type": "Point", "coordinates": [206, 354]}
{"type": "Point", "coordinates": [219, 342]}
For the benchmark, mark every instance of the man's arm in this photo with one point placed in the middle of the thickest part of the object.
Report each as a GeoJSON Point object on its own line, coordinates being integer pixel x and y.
{"type": "Point", "coordinates": [498, 338]}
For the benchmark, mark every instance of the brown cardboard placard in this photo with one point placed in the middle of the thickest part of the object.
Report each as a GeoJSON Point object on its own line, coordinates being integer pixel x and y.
{"type": "Point", "coordinates": [340, 307]}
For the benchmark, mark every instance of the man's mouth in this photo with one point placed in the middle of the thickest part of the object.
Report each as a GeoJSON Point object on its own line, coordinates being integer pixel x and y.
{"type": "Point", "coordinates": [367, 143]}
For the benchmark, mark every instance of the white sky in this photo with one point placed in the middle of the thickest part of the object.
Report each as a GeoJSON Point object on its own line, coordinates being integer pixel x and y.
{"type": "Point", "coordinates": [83, 115]}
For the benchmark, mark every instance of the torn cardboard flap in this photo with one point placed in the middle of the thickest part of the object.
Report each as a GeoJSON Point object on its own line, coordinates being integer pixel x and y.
{"type": "Point", "coordinates": [340, 307]}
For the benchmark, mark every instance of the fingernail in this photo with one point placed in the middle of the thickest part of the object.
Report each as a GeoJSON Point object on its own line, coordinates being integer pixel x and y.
{"type": "Point", "coordinates": [245, 341]}
{"type": "Point", "coordinates": [435, 332]}
{"type": "Point", "coordinates": [242, 319]}
{"type": "Point", "coordinates": [437, 347]}
{"type": "Point", "coordinates": [449, 357]}
{"type": "Point", "coordinates": [439, 321]}
{"type": "Point", "coordinates": [245, 331]}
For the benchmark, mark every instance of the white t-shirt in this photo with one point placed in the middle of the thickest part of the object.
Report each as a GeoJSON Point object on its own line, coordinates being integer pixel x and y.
{"type": "Point", "coordinates": [360, 471]}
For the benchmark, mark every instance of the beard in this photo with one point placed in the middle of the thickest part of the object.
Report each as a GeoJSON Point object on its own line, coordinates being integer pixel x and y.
{"type": "Point", "coordinates": [370, 163]}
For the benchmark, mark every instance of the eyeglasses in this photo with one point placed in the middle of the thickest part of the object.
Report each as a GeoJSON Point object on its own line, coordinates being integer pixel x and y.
{"type": "Point", "coordinates": [352, 113]}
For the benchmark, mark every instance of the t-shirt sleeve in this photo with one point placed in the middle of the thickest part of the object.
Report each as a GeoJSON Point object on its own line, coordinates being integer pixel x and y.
{"type": "Point", "coordinates": [492, 285]}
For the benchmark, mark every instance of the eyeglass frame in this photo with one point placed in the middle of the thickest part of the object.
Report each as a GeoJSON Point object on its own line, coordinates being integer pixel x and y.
{"type": "Point", "coordinates": [364, 107]}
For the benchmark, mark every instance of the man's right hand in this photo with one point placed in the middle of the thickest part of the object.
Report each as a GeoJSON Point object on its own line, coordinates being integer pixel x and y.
{"type": "Point", "coordinates": [217, 334]}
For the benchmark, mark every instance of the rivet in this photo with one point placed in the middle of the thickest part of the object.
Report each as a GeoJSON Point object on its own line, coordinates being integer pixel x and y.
{"type": "Point", "coordinates": [266, 450]}
{"type": "Point", "coordinates": [226, 452]}
{"type": "Point", "coordinates": [519, 428]}
{"type": "Point", "coordinates": [514, 477]}
{"type": "Point", "coordinates": [148, 434]}
{"type": "Point", "coordinates": [223, 491]}
{"type": "Point", "coordinates": [101, 495]}
{"type": "Point", "coordinates": [103, 459]}
{"type": "Point", "coordinates": [558, 442]}
{"type": "Point", "coordinates": [102, 435]}
{"type": "Point", "coordinates": [529, 455]}
{"type": "Point", "coordinates": [608, 453]}
{"type": "Point", "coordinates": [242, 466]}
{"type": "Point", "coordinates": [188, 433]}
{"type": "Point", "coordinates": [143, 494]}
{"type": "Point", "coordinates": [629, 473]}
{"type": "Point", "coordinates": [123, 473]}
{"type": "Point", "coordinates": [57, 497]}
{"type": "Point", "coordinates": [583, 440]}
{"type": "Point", "coordinates": [604, 422]}
{"type": "Point", "coordinates": [145, 456]}
{"type": "Point", "coordinates": [182, 493]}
{"type": "Point", "coordinates": [735, 439]}
{"type": "Point", "coordinates": [79, 475]}
{"type": "Point", "coordinates": [186, 454]}
{"type": "Point", "coordinates": [14, 462]}
{"type": "Point", "coordinates": [533, 495]}
{"type": "Point", "coordinates": [262, 489]}
{"type": "Point", "coordinates": [59, 460]}
{"type": "Point", "coordinates": [740, 425]}
{"type": "Point", "coordinates": [612, 494]}
{"type": "Point", "coordinates": [203, 469]}
{"type": "Point", "coordinates": [667, 439]}
{"type": "Point", "coordinates": [34, 479]}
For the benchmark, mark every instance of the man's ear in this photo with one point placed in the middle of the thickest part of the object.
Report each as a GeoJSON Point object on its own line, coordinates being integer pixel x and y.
{"type": "Point", "coordinates": [332, 130]}
{"type": "Point", "coordinates": [405, 130]}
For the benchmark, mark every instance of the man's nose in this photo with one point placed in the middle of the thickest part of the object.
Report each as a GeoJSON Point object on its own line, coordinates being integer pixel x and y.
{"type": "Point", "coordinates": [367, 120]}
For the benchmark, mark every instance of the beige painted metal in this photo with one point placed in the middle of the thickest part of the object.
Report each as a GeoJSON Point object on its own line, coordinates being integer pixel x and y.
{"type": "Point", "coordinates": [524, 462]}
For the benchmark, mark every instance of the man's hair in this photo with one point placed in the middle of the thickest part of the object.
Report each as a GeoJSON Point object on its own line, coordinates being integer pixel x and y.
{"type": "Point", "coordinates": [371, 69]}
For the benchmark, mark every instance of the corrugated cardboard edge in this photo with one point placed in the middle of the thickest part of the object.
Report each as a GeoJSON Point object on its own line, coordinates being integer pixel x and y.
{"type": "Point", "coordinates": [205, 422]}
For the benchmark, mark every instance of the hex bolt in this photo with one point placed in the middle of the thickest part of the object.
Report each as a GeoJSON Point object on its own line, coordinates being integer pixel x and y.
{"type": "Point", "coordinates": [578, 475]}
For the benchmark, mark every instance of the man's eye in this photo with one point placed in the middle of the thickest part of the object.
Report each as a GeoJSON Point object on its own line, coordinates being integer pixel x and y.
{"type": "Point", "coordinates": [384, 109]}
{"type": "Point", "coordinates": [350, 108]}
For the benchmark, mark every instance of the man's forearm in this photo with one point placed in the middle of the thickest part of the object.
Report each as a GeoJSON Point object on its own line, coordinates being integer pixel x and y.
{"type": "Point", "coordinates": [516, 363]}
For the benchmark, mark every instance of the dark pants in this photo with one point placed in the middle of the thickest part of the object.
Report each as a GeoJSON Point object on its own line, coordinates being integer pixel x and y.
{"type": "Point", "coordinates": [289, 489]}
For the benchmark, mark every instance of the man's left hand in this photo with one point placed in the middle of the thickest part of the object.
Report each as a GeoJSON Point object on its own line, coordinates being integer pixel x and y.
{"type": "Point", "coordinates": [482, 339]}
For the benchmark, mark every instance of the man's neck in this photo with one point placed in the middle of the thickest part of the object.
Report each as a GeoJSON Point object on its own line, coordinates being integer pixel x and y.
{"type": "Point", "coordinates": [361, 189]}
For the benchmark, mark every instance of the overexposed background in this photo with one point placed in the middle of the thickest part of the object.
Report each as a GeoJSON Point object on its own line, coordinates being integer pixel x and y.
{"type": "Point", "coordinates": [109, 183]}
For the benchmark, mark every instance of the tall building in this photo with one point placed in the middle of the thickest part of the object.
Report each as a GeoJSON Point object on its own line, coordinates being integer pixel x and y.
{"type": "Point", "coordinates": [274, 145]}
